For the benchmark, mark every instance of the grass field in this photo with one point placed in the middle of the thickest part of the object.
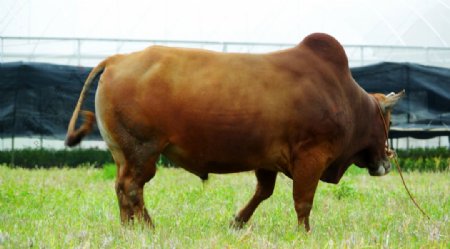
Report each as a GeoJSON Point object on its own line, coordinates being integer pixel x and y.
{"type": "Point", "coordinates": [77, 208]}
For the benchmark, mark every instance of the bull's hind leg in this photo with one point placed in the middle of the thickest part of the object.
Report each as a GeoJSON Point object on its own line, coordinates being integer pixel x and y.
{"type": "Point", "coordinates": [133, 171]}
{"type": "Point", "coordinates": [264, 189]}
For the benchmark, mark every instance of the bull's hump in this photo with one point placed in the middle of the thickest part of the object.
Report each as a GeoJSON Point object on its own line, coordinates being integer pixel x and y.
{"type": "Point", "coordinates": [327, 48]}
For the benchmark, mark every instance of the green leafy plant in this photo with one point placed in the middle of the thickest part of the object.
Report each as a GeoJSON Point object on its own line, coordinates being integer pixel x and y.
{"type": "Point", "coordinates": [109, 171]}
{"type": "Point", "coordinates": [344, 190]}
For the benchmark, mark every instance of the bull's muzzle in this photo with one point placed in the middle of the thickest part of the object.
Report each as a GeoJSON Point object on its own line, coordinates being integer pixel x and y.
{"type": "Point", "coordinates": [381, 169]}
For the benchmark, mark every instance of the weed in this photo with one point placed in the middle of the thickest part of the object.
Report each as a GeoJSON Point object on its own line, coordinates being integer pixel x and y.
{"type": "Point", "coordinates": [344, 190]}
{"type": "Point", "coordinates": [109, 171]}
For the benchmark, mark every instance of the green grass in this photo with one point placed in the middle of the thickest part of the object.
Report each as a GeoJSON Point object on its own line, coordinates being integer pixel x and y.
{"type": "Point", "coordinates": [77, 208]}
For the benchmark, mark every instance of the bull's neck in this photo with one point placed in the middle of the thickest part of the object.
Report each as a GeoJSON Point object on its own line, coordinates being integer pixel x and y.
{"type": "Point", "coordinates": [365, 112]}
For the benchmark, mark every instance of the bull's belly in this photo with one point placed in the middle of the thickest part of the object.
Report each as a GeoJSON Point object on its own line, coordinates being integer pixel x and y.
{"type": "Point", "coordinates": [202, 162]}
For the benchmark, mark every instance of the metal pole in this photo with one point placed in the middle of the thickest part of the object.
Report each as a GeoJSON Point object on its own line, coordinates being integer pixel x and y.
{"type": "Point", "coordinates": [362, 55]}
{"type": "Point", "coordinates": [12, 150]}
{"type": "Point", "coordinates": [1, 137]}
{"type": "Point", "coordinates": [14, 126]}
{"type": "Point", "coordinates": [40, 118]}
{"type": "Point", "coordinates": [118, 47]}
{"type": "Point", "coordinates": [1, 49]}
{"type": "Point", "coordinates": [79, 52]}
{"type": "Point", "coordinates": [77, 55]}
{"type": "Point", "coordinates": [224, 47]}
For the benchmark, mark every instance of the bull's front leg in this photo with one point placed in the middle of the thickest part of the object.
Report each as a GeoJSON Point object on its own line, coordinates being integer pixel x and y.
{"type": "Point", "coordinates": [306, 176]}
{"type": "Point", "coordinates": [303, 194]}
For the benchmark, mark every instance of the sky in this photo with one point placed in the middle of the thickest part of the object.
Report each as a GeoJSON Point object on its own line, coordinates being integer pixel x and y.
{"type": "Point", "coordinates": [353, 22]}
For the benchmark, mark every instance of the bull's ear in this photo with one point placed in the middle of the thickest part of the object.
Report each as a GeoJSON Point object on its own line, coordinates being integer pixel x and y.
{"type": "Point", "coordinates": [391, 99]}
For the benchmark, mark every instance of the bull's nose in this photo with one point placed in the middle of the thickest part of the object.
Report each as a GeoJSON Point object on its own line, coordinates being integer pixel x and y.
{"type": "Point", "coordinates": [387, 166]}
{"type": "Point", "coordinates": [382, 169]}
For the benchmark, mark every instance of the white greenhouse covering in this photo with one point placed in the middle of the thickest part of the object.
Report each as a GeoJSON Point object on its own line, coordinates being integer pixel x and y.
{"type": "Point", "coordinates": [353, 22]}
{"type": "Point", "coordinates": [372, 30]}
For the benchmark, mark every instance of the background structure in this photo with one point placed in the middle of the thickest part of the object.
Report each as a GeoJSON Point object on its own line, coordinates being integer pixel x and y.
{"type": "Point", "coordinates": [38, 98]}
{"type": "Point", "coordinates": [353, 22]}
{"type": "Point", "coordinates": [81, 33]}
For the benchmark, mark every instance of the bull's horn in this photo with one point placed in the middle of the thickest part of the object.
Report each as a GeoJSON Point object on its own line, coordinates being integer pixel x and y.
{"type": "Point", "coordinates": [391, 99]}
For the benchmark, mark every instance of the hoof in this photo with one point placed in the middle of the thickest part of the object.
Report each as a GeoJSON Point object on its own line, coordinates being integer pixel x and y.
{"type": "Point", "coordinates": [143, 221]}
{"type": "Point", "coordinates": [306, 230]}
{"type": "Point", "coordinates": [150, 225]}
{"type": "Point", "coordinates": [237, 224]}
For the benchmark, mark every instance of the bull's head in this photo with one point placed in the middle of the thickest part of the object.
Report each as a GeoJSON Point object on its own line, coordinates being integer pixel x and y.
{"type": "Point", "coordinates": [376, 157]}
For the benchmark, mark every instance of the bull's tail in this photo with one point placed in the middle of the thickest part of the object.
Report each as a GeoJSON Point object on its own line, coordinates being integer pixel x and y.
{"type": "Point", "coordinates": [73, 136]}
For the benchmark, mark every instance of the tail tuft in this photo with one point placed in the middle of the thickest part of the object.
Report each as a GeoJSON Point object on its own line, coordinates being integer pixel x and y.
{"type": "Point", "coordinates": [74, 137]}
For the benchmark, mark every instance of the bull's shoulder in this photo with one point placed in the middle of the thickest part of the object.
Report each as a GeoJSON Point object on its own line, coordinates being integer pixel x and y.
{"type": "Point", "coordinates": [327, 48]}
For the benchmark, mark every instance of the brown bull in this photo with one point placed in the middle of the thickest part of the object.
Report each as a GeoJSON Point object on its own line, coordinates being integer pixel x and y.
{"type": "Point", "coordinates": [297, 111]}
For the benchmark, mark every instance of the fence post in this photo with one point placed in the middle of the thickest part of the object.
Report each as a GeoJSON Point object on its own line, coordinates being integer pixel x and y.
{"type": "Point", "coordinates": [78, 52]}
{"type": "Point", "coordinates": [224, 47]}
{"type": "Point", "coordinates": [1, 49]}
{"type": "Point", "coordinates": [13, 135]}
{"type": "Point", "coordinates": [362, 55]}
{"type": "Point", "coordinates": [12, 150]}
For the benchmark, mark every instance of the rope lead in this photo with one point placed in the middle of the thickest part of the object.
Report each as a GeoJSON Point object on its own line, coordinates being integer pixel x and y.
{"type": "Point", "coordinates": [392, 155]}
